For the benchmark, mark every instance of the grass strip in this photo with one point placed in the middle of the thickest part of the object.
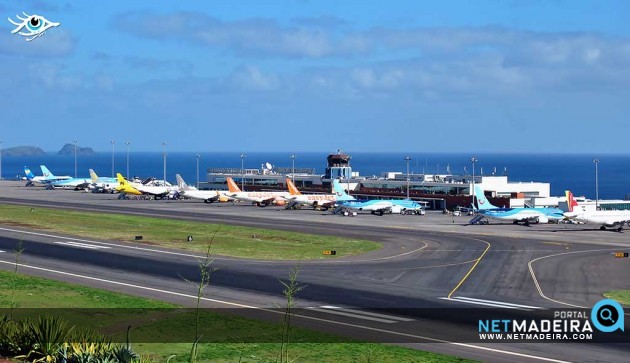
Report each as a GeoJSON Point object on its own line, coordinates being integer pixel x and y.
{"type": "Point", "coordinates": [233, 241]}
{"type": "Point", "coordinates": [621, 296]}
{"type": "Point", "coordinates": [33, 292]}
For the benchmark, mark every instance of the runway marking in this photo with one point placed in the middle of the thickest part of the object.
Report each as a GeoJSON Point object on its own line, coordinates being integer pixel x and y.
{"type": "Point", "coordinates": [82, 245]}
{"type": "Point", "coordinates": [540, 292]}
{"type": "Point", "coordinates": [498, 304]}
{"type": "Point", "coordinates": [556, 243]}
{"type": "Point", "coordinates": [1, 251]}
{"type": "Point", "coordinates": [471, 269]}
{"type": "Point", "coordinates": [359, 314]}
{"type": "Point", "coordinates": [465, 345]}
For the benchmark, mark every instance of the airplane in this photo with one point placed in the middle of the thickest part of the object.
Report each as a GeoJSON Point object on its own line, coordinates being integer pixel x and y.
{"type": "Point", "coordinates": [208, 196]}
{"type": "Point", "coordinates": [375, 206]}
{"type": "Point", "coordinates": [515, 215]}
{"type": "Point", "coordinates": [261, 199]}
{"type": "Point", "coordinates": [102, 184]}
{"type": "Point", "coordinates": [317, 201]}
{"type": "Point", "coordinates": [158, 192]}
{"type": "Point", "coordinates": [66, 183]}
{"type": "Point", "coordinates": [605, 218]}
{"type": "Point", "coordinates": [46, 178]}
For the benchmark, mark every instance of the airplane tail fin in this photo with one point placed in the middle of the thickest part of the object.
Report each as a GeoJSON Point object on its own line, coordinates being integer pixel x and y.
{"type": "Point", "coordinates": [482, 201]}
{"type": "Point", "coordinates": [292, 189]}
{"type": "Point", "coordinates": [121, 180]}
{"type": "Point", "coordinates": [232, 187]}
{"type": "Point", "coordinates": [340, 192]}
{"type": "Point", "coordinates": [29, 174]}
{"type": "Point", "coordinates": [93, 176]}
{"type": "Point", "coordinates": [181, 183]}
{"type": "Point", "coordinates": [571, 202]}
{"type": "Point", "coordinates": [46, 173]}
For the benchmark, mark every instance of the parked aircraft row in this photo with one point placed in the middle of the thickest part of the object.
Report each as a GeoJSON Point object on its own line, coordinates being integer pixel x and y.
{"type": "Point", "coordinates": [339, 201]}
{"type": "Point", "coordinates": [605, 218]}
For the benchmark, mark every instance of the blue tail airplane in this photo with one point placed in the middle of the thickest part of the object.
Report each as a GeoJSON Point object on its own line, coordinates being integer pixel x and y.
{"type": "Point", "coordinates": [375, 206]}
{"type": "Point", "coordinates": [46, 178]}
{"type": "Point", "coordinates": [485, 209]}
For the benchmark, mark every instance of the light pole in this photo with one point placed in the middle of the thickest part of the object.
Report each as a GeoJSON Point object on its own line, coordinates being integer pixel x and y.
{"type": "Point", "coordinates": [473, 160]}
{"type": "Point", "coordinates": [407, 159]}
{"type": "Point", "coordinates": [596, 161]}
{"type": "Point", "coordinates": [113, 142]}
{"type": "Point", "coordinates": [293, 168]}
{"type": "Point", "coordinates": [197, 156]}
{"type": "Point", "coordinates": [0, 159]}
{"type": "Point", "coordinates": [164, 159]}
{"type": "Point", "coordinates": [127, 143]}
{"type": "Point", "coordinates": [75, 158]}
{"type": "Point", "coordinates": [243, 156]}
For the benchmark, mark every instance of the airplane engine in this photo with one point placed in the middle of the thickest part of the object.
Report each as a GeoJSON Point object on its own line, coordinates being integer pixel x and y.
{"type": "Point", "coordinates": [396, 209]}
{"type": "Point", "coordinates": [223, 199]}
{"type": "Point", "coordinates": [280, 202]}
{"type": "Point", "coordinates": [543, 219]}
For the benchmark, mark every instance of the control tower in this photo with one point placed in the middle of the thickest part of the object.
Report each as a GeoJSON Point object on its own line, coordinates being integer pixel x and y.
{"type": "Point", "coordinates": [338, 166]}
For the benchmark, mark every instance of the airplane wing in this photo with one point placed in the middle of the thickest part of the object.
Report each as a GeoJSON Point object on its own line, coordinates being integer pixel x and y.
{"type": "Point", "coordinates": [615, 223]}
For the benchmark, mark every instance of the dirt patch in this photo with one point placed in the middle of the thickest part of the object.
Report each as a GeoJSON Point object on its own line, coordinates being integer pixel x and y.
{"type": "Point", "coordinates": [24, 225]}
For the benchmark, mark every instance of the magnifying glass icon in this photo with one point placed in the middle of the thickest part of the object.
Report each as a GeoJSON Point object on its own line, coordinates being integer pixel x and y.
{"type": "Point", "coordinates": [605, 314]}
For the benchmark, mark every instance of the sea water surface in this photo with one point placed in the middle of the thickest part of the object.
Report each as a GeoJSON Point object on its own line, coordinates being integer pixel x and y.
{"type": "Point", "coordinates": [575, 172]}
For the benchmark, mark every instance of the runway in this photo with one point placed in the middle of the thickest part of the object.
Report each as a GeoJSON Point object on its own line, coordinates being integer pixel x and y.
{"type": "Point", "coordinates": [429, 270]}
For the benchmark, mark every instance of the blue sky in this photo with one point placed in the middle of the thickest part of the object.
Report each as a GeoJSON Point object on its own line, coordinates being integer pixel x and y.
{"type": "Point", "coordinates": [478, 76]}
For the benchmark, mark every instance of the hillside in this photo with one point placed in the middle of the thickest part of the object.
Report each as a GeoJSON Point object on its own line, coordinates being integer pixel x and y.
{"type": "Point", "coordinates": [68, 149]}
{"type": "Point", "coordinates": [23, 151]}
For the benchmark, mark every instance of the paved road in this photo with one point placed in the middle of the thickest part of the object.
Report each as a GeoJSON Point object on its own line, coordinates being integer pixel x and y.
{"type": "Point", "coordinates": [424, 261]}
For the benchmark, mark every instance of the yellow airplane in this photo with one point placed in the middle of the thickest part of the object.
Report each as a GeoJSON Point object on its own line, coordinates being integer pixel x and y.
{"type": "Point", "coordinates": [125, 187]}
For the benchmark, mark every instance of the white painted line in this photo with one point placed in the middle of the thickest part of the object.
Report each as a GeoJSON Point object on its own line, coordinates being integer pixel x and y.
{"type": "Point", "coordinates": [334, 311]}
{"type": "Point", "coordinates": [497, 302]}
{"type": "Point", "coordinates": [369, 313]}
{"type": "Point", "coordinates": [1, 251]}
{"type": "Point", "coordinates": [82, 245]}
{"type": "Point", "coordinates": [496, 305]}
{"type": "Point", "coordinates": [471, 346]}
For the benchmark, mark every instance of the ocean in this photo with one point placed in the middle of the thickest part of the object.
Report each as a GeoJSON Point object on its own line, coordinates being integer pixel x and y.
{"type": "Point", "coordinates": [575, 172]}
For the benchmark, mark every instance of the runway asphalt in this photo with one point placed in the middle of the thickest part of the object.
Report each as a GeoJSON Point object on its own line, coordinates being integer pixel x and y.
{"type": "Point", "coordinates": [425, 259]}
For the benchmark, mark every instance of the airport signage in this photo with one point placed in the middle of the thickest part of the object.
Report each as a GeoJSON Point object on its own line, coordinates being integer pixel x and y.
{"type": "Point", "coordinates": [330, 253]}
{"type": "Point", "coordinates": [621, 254]}
{"type": "Point", "coordinates": [606, 316]}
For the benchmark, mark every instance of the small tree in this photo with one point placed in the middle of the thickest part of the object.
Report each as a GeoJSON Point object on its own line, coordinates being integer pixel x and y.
{"type": "Point", "coordinates": [291, 288]}
{"type": "Point", "coordinates": [205, 272]}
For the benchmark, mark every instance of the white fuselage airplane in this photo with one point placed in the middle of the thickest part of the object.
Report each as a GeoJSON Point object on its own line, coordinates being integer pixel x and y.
{"type": "Point", "coordinates": [46, 178]}
{"type": "Point", "coordinates": [208, 196]}
{"type": "Point", "coordinates": [103, 184]}
{"type": "Point", "coordinates": [261, 199]}
{"type": "Point", "coordinates": [317, 201]}
{"type": "Point", "coordinates": [605, 218]}
{"type": "Point", "coordinates": [159, 192]}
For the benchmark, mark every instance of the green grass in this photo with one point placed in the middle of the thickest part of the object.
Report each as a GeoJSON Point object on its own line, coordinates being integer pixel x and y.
{"type": "Point", "coordinates": [621, 296]}
{"type": "Point", "coordinates": [233, 241]}
{"type": "Point", "coordinates": [32, 292]}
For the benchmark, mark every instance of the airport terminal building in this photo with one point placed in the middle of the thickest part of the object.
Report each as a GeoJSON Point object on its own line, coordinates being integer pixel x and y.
{"type": "Point", "coordinates": [439, 191]}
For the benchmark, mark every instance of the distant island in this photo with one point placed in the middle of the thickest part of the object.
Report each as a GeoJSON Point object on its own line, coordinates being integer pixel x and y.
{"type": "Point", "coordinates": [68, 149]}
{"type": "Point", "coordinates": [23, 151]}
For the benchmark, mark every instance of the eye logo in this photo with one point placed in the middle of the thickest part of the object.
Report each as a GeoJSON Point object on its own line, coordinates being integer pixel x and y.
{"type": "Point", "coordinates": [33, 26]}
